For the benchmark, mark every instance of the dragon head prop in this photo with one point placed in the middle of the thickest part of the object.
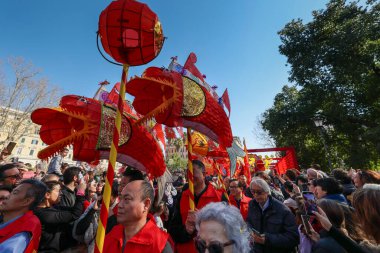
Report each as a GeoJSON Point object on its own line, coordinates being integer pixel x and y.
{"type": "Point", "coordinates": [179, 96]}
{"type": "Point", "coordinates": [87, 125]}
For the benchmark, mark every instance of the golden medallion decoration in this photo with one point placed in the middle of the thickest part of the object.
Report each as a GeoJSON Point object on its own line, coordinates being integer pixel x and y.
{"type": "Point", "coordinates": [106, 128]}
{"type": "Point", "coordinates": [194, 99]}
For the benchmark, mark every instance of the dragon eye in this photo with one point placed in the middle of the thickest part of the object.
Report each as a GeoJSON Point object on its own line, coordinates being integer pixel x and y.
{"type": "Point", "coordinates": [82, 99]}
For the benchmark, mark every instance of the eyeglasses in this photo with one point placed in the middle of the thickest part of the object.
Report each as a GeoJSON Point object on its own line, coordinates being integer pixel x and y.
{"type": "Point", "coordinates": [3, 198]}
{"type": "Point", "coordinates": [17, 176]}
{"type": "Point", "coordinates": [213, 247]}
{"type": "Point", "coordinates": [258, 192]}
{"type": "Point", "coordinates": [233, 186]}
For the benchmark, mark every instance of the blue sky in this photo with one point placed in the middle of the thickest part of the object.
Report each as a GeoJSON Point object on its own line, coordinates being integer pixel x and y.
{"type": "Point", "coordinates": [236, 43]}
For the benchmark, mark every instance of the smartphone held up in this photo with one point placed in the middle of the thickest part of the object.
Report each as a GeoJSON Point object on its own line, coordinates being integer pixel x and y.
{"type": "Point", "coordinates": [310, 202]}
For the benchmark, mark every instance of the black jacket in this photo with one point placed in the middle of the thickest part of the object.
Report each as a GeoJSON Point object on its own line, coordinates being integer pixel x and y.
{"type": "Point", "coordinates": [67, 197]}
{"type": "Point", "coordinates": [56, 230]}
{"type": "Point", "coordinates": [278, 224]}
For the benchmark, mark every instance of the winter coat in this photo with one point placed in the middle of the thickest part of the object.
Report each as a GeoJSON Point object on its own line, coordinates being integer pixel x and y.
{"type": "Point", "coordinates": [278, 224]}
{"type": "Point", "coordinates": [337, 197]}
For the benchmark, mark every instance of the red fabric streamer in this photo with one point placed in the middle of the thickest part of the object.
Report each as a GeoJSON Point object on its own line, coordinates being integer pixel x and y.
{"type": "Point", "coordinates": [247, 171]}
{"type": "Point", "coordinates": [190, 66]}
{"type": "Point", "coordinates": [226, 101]}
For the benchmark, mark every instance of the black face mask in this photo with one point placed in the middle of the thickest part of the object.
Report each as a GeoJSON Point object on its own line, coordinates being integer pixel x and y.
{"type": "Point", "coordinates": [213, 247]}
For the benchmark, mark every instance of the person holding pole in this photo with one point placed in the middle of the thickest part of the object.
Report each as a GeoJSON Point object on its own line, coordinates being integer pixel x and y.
{"type": "Point", "coordinates": [182, 227]}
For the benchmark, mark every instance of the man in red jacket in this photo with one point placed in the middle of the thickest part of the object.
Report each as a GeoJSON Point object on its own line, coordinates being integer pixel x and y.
{"type": "Point", "coordinates": [237, 198]}
{"type": "Point", "coordinates": [20, 229]}
{"type": "Point", "coordinates": [182, 228]}
{"type": "Point", "coordinates": [136, 233]}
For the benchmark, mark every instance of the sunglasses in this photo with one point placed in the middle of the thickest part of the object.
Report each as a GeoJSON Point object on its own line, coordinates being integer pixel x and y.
{"type": "Point", "coordinates": [254, 192]}
{"type": "Point", "coordinates": [213, 247]}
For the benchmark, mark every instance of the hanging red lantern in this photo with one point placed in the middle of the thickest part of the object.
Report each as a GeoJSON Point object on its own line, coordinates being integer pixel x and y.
{"type": "Point", "coordinates": [130, 32]}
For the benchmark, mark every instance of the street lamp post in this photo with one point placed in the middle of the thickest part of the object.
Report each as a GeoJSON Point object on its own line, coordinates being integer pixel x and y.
{"type": "Point", "coordinates": [318, 121]}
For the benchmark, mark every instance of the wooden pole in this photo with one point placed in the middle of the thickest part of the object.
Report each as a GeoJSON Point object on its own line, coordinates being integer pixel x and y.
{"type": "Point", "coordinates": [190, 170]}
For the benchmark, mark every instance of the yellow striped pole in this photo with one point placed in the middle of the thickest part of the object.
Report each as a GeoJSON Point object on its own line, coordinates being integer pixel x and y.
{"type": "Point", "coordinates": [221, 182]}
{"type": "Point", "coordinates": [190, 170]}
{"type": "Point", "coordinates": [100, 234]}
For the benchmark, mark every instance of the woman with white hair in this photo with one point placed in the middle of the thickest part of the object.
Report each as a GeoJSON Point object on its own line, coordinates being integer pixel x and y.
{"type": "Point", "coordinates": [273, 225]}
{"type": "Point", "coordinates": [221, 228]}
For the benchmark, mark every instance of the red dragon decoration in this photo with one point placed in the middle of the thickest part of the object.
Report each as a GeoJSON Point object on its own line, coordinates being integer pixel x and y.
{"type": "Point", "coordinates": [179, 96]}
{"type": "Point", "coordinates": [87, 125]}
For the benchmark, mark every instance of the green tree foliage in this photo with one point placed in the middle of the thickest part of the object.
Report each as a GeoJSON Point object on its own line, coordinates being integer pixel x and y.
{"type": "Point", "coordinates": [174, 161]}
{"type": "Point", "coordinates": [335, 65]}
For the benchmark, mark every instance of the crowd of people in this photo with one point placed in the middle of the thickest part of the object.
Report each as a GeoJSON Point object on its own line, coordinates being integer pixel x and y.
{"type": "Point", "coordinates": [299, 211]}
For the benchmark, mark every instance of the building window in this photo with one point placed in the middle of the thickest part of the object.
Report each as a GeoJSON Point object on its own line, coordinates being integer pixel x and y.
{"type": "Point", "coordinates": [19, 151]}
{"type": "Point", "coordinates": [22, 140]}
{"type": "Point", "coordinates": [35, 142]}
{"type": "Point", "coordinates": [31, 152]}
{"type": "Point", "coordinates": [37, 130]}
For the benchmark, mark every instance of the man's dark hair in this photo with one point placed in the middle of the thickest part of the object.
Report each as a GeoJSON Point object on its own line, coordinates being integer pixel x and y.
{"type": "Point", "coordinates": [133, 174]}
{"type": "Point", "coordinates": [6, 188]}
{"type": "Point", "coordinates": [36, 190]}
{"type": "Point", "coordinates": [288, 186]}
{"type": "Point", "coordinates": [302, 178]}
{"type": "Point", "coordinates": [240, 184]}
{"type": "Point", "coordinates": [342, 176]}
{"type": "Point", "coordinates": [147, 191]}
{"type": "Point", "coordinates": [330, 185]}
{"type": "Point", "coordinates": [6, 167]}
{"type": "Point", "coordinates": [200, 165]}
{"type": "Point", "coordinates": [291, 174]}
{"type": "Point", "coordinates": [314, 182]}
{"type": "Point", "coordinates": [70, 173]}
{"type": "Point", "coordinates": [114, 188]}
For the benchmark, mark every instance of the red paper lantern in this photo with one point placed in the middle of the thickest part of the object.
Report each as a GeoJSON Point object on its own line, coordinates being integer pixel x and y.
{"type": "Point", "coordinates": [130, 32]}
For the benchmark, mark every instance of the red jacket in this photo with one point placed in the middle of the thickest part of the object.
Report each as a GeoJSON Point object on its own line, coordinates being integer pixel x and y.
{"type": "Point", "coordinates": [26, 223]}
{"type": "Point", "coordinates": [210, 195]}
{"type": "Point", "coordinates": [243, 205]}
{"type": "Point", "coordinates": [149, 239]}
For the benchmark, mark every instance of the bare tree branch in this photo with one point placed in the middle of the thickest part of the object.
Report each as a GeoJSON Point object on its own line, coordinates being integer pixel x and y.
{"type": "Point", "coordinates": [20, 96]}
{"type": "Point", "coordinates": [261, 135]}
